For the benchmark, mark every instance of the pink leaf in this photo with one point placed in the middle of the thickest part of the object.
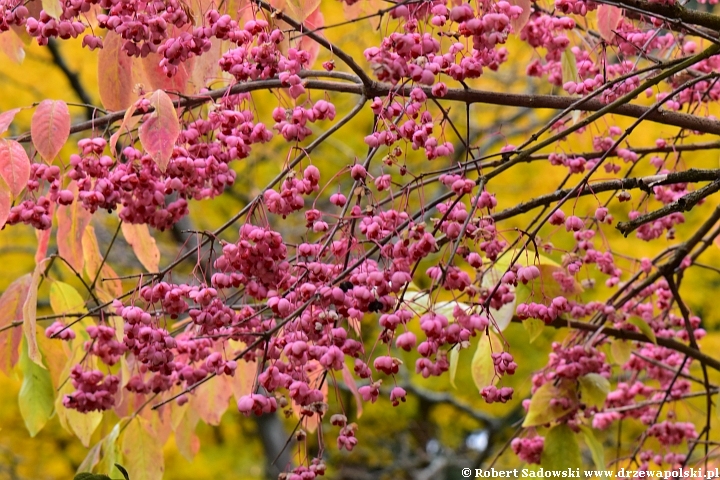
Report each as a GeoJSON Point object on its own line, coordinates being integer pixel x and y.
{"type": "Point", "coordinates": [115, 81]}
{"type": "Point", "coordinates": [72, 221]}
{"type": "Point", "coordinates": [6, 119]}
{"type": "Point", "coordinates": [50, 128]}
{"type": "Point", "coordinates": [608, 18]}
{"type": "Point", "coordinates": [313, 21]}
{"type": "Point", "coordinates": [519, 23]}
{"type": "Point", "coordinates": [14, 166]}
{"type": "Point", "coordinates": [159, 132]}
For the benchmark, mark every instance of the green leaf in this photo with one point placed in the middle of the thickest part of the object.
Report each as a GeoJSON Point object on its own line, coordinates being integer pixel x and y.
{"type": "Point", "coordinates": [561, 450]}
{"type": "Point", "coordinates": [110, 450]}
{"type": "Point", "coordinates": [596, 448]}
{"type": "Point", "coordinates": [482, 366]}
{"type": "Point", "coordinates": [569, 67]}
{"type": "Point", "coordinates": [534, 327]}
{"type": "Point", "coordinates": [123, 471]}
{"type": "Point", "coordinates": [36, 393]}
{"type": "Point", "coordinates": [621, 351]}
{"type": "Point", "coordinates": [643, 327]}
{"type": "Point", "coordinates": [454, 358]}
{"type": "Point", "coordinates": [91, 476]}
{"type": "Point", "coordinates": [541, 411]}
{"type": "Point", "coordinates": [594, 390]}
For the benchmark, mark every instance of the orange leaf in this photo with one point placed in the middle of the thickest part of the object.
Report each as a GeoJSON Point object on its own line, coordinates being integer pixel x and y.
{"type": "Point", "coordinates": [6, 118]}
{"type": "Point", "coordinates": [106, 289]}
{"type": "Point", "coordinates": [11, 303]}
{"type": "Point", "coordinates": [114, 74]}
{"type": "Point", "coordinates": [14, 166]}
{"type": "Point", "coordinates": [608, 18]}
{"type": "Point", "coordinates": [12, 46]}
{"type": "Point", "coordinates": [212, 399]}
{"type": "Point", "coordinates": [144, 246]}
{"type": "Point", "coordinates": [159, 132]}
{"type": "Point", "coordinates": [50, 128]}
{"type": "Point", "coordinates": [29, 311]}
{"type": "Point", "coordinates": [72, 221]}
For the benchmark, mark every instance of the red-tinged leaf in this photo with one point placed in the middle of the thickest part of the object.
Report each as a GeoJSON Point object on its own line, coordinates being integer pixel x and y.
{"type": "Point", "coordinates": [244, 379]}
{"type": "Point", "coordinates": [128, 123]}
{"type": "Point", "coordinates": [313, 21]}
{"type": "Point", "coordinates": [142, 453]}
{"type": "Point", "coordinates": [6, 118]}
{"type": "Point", "coordinates": [608, 18]}
{"type": "Point", "coordinates": [211, 400]}
{"type": "Point", "coordinates": [314, 372]}
{"type": "Point", "coordinates": [50, 128]}
{"type": "Point", "coordinates": [14, 166]}
{"type": "Point", "coordinates": [5, 202]}
{"type": "Point", "coordinates": [29, 311]}
{"type": "Point", "coordinates": [159, 132]}
{"type": "Point", "coordinates": [52, 8]}
{"type": "Point", "coordinates": [367, 8]}
{"type": "Point", "coordinates": [72, 221]}
{"type": "Point", "coordinates": [156, 79]}
{"type": "Point", "coordinates": [519, 23]}
{"type": "Point", "coordinates": [298, 10]}
{"type": "Point", "coordinates": [12, 46]}
{"type": "Point", "coordinates": [350, 382]}
{"type": "Point", "coordinates": [11, 303]}
{"type": "Point", "coordinates": [206, 67]}
{"type": "Point", "coordinates": [144, 246]}
{"type": "Point", "coordinates": [115, 82]}
{"type": "Point", "coordinates": [43, 238]}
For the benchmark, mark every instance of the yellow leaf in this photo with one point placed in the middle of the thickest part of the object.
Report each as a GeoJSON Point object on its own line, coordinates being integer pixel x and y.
{"type": "Point", "coordinates": [594, 389]}
{"type": "Point", "coordinates": [52, 8]}
{"type": "Point", "coordinates": [644, 328]}
{"type": "Point", "coordinates": [142, 453]}
{"type": "Point", "coordinates": [454, 358]}
{"type": "Point", "coordinates": [534, 327]}
{"type": "Point", "coordinates": [482, 366]}
{"type": "Point", "coordinates": [541, 409]}
{"type": "Point", "coordinates": [621, 351]}
{"type": "Point", "coordinates": [561, 450]}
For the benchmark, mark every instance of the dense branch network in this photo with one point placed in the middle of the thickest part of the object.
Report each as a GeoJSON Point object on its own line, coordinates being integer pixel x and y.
{"type": "Point", "coordinates": [422, 252]}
